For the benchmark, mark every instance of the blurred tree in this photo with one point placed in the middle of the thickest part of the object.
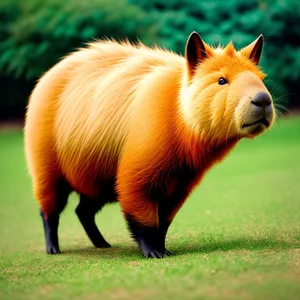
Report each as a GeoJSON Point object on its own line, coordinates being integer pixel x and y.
{"type": "Point", "coordinates": [35, 34]}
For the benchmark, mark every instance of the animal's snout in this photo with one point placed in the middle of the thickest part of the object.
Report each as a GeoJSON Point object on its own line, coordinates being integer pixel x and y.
{"type": "Point", "coordinates": [255, 112]}
{"type": "Point", "coordinates": [260, 114]}
{"type": "Point", "coordinates": [261, 99]}
{"type": "Point", "coordinates": [262, 104]}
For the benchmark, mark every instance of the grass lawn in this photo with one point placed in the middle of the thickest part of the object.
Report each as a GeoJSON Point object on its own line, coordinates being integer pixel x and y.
{"type": "Point", "coordinates": [237, 237]}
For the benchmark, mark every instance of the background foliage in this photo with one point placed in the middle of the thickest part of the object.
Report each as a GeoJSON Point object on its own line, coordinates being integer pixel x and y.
{"type": "Point", "coordinates": [35, 34]}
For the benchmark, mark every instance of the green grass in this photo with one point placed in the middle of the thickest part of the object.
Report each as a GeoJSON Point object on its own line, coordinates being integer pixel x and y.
{"type": "Point", "coordinates": [237, 236]}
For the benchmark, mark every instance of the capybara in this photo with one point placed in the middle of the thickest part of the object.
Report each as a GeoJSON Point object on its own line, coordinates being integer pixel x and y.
{"type": "Point", "coordinates": [140, 126]}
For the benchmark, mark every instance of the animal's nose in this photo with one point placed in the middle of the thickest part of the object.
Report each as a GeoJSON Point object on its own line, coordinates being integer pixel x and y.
{"type": "Point", "coordinates": [261, 99]}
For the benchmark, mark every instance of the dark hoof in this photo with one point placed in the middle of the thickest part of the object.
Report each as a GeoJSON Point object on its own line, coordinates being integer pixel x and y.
{"type": "Point", "coordinates": [102, 244]}
{"type": "Point", "coordinates": [152, 252]}
{"type": "Point", "coordinates": [53, 250]}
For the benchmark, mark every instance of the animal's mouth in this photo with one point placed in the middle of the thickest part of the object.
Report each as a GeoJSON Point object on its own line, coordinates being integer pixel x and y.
{"type": "Point", "coordinates": [262, 121]}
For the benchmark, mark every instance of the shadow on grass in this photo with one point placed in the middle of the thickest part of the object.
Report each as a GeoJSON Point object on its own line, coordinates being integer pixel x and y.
{"type": "Point", "coordinates": [239, 244]}
{"type": "Point", "coordinates": [106, 253]}
{"type": "Point", "coordinates": [132, 252]}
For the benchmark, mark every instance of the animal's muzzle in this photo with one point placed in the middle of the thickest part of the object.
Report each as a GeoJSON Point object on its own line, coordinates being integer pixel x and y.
{"type": "Point", "coordinates": [262, 105]}
{"type": "Point", "coordinates": [261, 112]}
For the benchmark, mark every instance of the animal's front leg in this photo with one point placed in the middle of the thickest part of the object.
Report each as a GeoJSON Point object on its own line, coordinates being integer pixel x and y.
{"type": "Point", "coordinates": [163, 229]}
{"type": "Point", "coordinates": [143, 221]}
{"type": "Point", "coordinates": [139, 200]}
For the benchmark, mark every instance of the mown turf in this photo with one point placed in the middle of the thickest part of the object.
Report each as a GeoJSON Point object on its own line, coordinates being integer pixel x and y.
{"type": "Point", "coordinates": [237, 237]}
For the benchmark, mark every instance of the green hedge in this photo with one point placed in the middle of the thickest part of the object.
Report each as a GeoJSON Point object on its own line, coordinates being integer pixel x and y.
{"type": "Point", "coordinates": [35, 34]}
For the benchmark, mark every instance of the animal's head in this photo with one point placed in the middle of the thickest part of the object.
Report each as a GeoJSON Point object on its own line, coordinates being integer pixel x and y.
{"type": "Point", "coordinates": [224, 95]}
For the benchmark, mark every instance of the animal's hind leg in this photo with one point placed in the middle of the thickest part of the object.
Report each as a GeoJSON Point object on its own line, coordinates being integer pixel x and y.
{"type": "Point", "coordinates": [51, 216]}
{"type": "Point", "coordinates": [86, 211]}
{"type": "Point", "coordinates": [51, 235]}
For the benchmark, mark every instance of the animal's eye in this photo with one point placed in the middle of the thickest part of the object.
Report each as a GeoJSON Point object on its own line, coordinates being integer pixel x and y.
{"type": "Point", "coordinates": [222, 81]}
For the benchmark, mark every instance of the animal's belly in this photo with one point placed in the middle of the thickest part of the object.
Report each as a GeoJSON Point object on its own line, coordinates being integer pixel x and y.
{"type": "Point", "coordinates": [92, 177]}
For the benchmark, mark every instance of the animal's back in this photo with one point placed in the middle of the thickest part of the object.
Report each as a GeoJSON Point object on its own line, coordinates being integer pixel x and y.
{"type": "Point", "coordinates": [89, 100]}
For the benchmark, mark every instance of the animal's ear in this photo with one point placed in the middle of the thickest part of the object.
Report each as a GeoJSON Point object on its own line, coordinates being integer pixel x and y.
{"type": "Point", "coordinates": [254, 50]}
{"type": "Point", "coordinates": [195, 52]}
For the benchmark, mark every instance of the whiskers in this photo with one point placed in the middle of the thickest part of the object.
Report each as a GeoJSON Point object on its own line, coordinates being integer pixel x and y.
{"type": "Point", "coordinates": [280, 108]}
{"type": "Point", "coordinates": [281, 101]}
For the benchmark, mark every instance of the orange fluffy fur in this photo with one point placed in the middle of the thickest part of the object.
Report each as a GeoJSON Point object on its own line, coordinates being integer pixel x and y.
{"type": "Point", "coordinates": [132, 114]}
